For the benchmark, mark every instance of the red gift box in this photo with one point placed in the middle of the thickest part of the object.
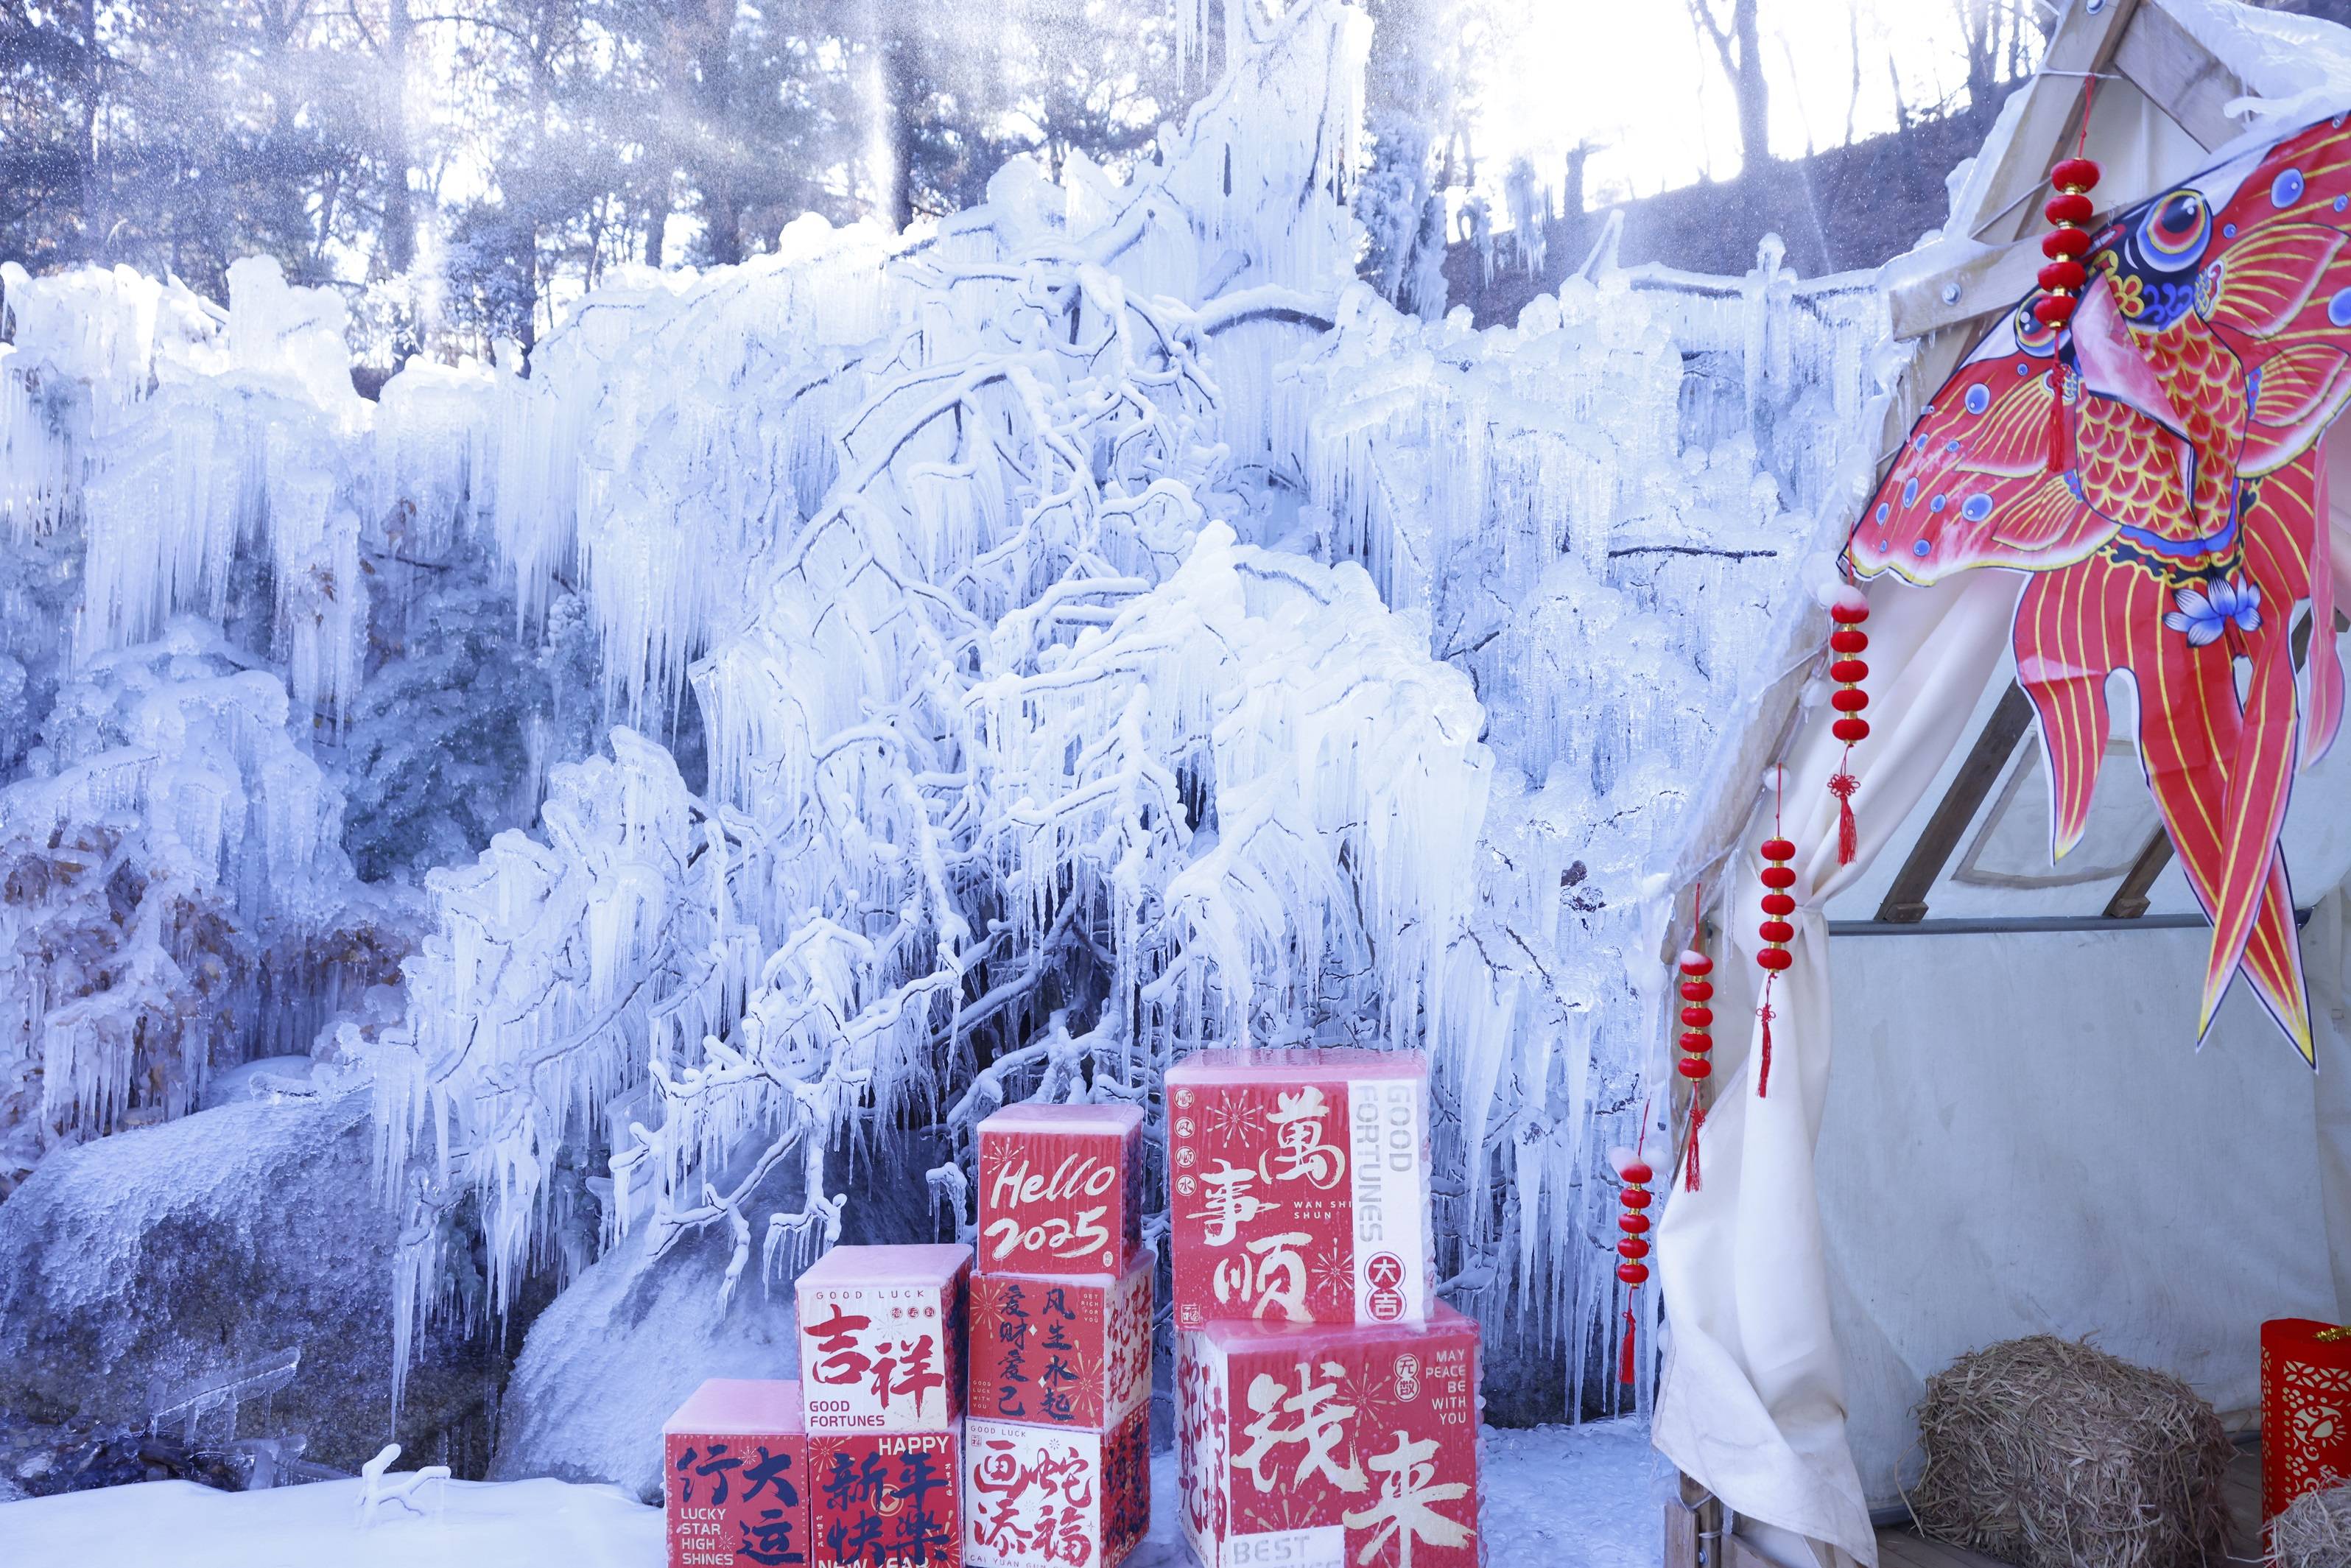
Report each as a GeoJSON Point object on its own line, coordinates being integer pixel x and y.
{"type": "Point", "coordinates": [734, 1476]}
{"type": "Point", "coordinates": [1067, 1350]}
{"type": "Point", "coordinates": [882, 1339]}
{"type": "Point", "coordinates": [885, 1499]}
{"type": "Point", "coordinates": [1300, 1185]}
{"type": "Point", "coordinates": [1319, 1446]}
{"type": "Point", "coordinates": [1061, 1188]}
{"type": "Point", "coordinates": [1050, 1497]}
{"type": "Point", "coordinates": [2305, 1409]}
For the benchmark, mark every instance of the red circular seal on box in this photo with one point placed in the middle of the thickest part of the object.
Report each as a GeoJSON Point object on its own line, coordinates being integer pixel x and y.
{"type": "Point", "coordinates": [1386, 1272]}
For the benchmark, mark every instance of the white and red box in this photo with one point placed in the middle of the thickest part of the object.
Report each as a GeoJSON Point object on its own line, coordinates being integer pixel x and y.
{"type": "Point", "coordinates": [1061, 1188]}
{"type": "Point", "coordinates": [734, 1476]}
{"type": "Point", "coordinates": [1062, 1350]}
{"type": "Point", "coordinates": [886, 1499]}
{"type": "Point", "coordinates": [882, 1339]}
{"type": "Point", "coordinates": [1047, 1497]}
{"type": "Point", "coordinates": [1298, 1187]}
{"type": "Point", "coordinates": [1314, 1447]}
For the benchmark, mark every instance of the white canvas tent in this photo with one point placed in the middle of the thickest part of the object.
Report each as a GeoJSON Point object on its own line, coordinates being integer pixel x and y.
{"type": "Point", "coordinates": [2018, 1135]}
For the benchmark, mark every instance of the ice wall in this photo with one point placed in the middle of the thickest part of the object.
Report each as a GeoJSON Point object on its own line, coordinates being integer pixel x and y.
{"type": "Point", "coordinates": [1106, 629]}
{"type": "Point", "coordinates": [1609, 516]}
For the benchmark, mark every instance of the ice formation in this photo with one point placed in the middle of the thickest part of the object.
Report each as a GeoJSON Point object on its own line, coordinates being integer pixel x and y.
{"type": "Point", "coordinates": [1092, 629]}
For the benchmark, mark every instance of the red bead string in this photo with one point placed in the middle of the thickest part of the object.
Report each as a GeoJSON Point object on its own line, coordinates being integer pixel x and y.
{"type": "Point", "coordinates": [1778, 904]}
{"type": "Point", "coordinates": [2064, 276]}
{"type": "Point", "coordinates": [1696, 1041]}
{"type": "Point", "coordinates": [1634, 1246]}
{"type": "Point", "coordinates": [1848, 642]}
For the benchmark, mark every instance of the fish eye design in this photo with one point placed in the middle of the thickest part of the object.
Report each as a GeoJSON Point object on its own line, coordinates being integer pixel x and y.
{"type": "Point", "coordinates": [2033, 335]}
{"type": "Point", "coordinates": [2172, 236]}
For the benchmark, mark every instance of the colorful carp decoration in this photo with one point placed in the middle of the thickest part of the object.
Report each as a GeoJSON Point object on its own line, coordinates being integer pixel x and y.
{"type": "Point", "coordinates": [2157, 467]}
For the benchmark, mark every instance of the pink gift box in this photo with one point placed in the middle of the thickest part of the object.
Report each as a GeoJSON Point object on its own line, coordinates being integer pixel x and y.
{"type": "Point", "coordinates": [1300, 1186]}
{"type": "Point", "coordinates": [1319, 1446]}
{"type": "Point", "coordinates": [1062, 1350]}
{"type": "Point", "coordinates": [886, 1499]}
{"type": "Point", "coordinates": [734, 1476]}
{"type": "Point", "coordinates": [1049, 1497]}
{"type": "Point", "coordinates": [882, 1339]}
{"type": "Point", "coordinates": [1061, 1188]}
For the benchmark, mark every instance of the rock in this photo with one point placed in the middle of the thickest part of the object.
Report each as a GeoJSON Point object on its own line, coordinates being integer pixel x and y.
{"type": "Point", "coordinates": [619, 1349]}
{"type": "Point", "coordinates": [142, 1266]}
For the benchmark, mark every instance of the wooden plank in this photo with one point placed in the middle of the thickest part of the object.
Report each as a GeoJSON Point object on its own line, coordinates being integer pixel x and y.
{"type": "Point", "coordinates": [1905, 899]}
{"type": "Point", "coordinates": [1977, 279]}
{"type": "Point", "coordinates": [2178, 74]}
{"type": "Point", "coordinates": [2130, 900]}
{"type": "Point", "coordinates": [1681, 1535]}
{"type": "Point", "coordinates": [1905, 1548]}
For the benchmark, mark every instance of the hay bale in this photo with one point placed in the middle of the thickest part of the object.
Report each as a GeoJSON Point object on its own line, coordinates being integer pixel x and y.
{"type": "Point", "coordinates": [2049, 1454]}
{"type": "Point", "coordinates": [2314, 1531]}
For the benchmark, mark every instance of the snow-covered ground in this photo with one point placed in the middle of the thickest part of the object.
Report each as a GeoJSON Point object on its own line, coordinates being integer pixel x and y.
{"type": "Point", "coordinates": [1565, 1496]}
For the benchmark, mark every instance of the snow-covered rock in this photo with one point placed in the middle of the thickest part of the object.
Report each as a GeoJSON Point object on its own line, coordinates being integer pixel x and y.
{"type": "Point", "coordinates": [144, 1265]}
{"type": "Point", "coordinates": [634, 1335]}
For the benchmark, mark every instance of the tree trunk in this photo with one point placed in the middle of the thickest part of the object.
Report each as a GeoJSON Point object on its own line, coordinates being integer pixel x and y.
{"type": "Point", "coordinates": [901, 85]}
{"type": "Point", "coordinates": [722, 213]}
{"type": "Point", "coordinates": [1748, 86]}
{"type": "Point", "coordinates": [399, 205]}
{"type": "Point", "coordinates": [94, 219]}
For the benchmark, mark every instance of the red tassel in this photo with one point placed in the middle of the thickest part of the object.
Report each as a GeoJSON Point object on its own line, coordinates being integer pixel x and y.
{"type": "Point", "coordinates": [2061, 434]}
{"type": "Point", "coordinates": [1763, 1073]}
{"type": "Point", "coordinates": [1625, 1372]}
{"type": "Point", "coordinates": [1842, 786]}
{"type": "Point", "coordinates": [1689, 1164]}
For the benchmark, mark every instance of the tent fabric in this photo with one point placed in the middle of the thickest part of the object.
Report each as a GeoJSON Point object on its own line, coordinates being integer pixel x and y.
{"type": "Point", "coordinates": [1751, 1404]}
{"type": "Point", "coordinates": [2023, 1139]}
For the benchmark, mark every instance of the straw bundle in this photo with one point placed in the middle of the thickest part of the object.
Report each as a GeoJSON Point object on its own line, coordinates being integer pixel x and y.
{"type": "Point", "coordinates": [2314, 1531]}
{"type": "Point", "coordinates": [2048, 1454]}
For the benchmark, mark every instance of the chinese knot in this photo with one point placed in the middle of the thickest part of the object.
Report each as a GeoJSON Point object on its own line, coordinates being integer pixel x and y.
{"type": "Point", "coordinates": [1634, 1246]}
{"type": "Point", "coordinates": [1778, 904]}
{"type": "Point", "coordinates": [1697, 1018]}
{"type": "Point", "coordinates": [2061, 279]}
{"type": "Point", "coordinates": [1848, 642]}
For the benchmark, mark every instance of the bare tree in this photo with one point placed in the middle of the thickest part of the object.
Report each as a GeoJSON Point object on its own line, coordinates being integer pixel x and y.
{"type": "Point", "coordinates": [1736, 44]}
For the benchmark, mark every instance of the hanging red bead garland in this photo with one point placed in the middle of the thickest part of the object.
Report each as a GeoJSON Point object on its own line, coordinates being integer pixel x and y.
{"type": "Point", "coordinates": [1778, 904]}
{"type": "Point", "coordinates": [1848, 642]}
{"type": "Point", "coordinates": [2063, 277]}
{"type": "Point", "coordinates": [1633, 1247]}
{"type": "Point", "coordinates": [1697, 1020]}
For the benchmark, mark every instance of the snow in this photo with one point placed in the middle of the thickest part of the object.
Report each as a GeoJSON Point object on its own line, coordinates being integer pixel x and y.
{"type": "Point", "coordinates": [1582, 1496]}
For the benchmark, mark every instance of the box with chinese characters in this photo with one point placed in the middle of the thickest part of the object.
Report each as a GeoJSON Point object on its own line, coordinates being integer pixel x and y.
{"type": "Point", "coordinates": [1062, 1350]}
{"type": "Point", "coordinates": [1298, 1187]}
{"type": "Point", "coordinates": [1061, 1188]}
{"type": "Point", "coordinates": [882, 1339]}
{"type": "Point", "coordinates": [886, 1499]}
{"type": "Point", "coordinates": [734, 1476]}
{"type": "Point", "coordinates": [1045, 1496]}
{"type": "Point", "coordinates": [1313, 1447]}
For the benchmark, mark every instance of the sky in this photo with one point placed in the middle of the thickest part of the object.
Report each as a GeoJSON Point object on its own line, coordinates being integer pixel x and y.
{"type": "Point", "coordinates": [1633, 76]}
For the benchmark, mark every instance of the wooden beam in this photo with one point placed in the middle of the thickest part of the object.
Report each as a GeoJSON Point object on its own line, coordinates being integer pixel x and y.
{"type": "Point", "coordinates": [1978, 279]}
{"type": "Point", "coordinates": [2130, 900]}
{"type": "Point", "coordinates": [1905, 899]}
{"type": "Point", "coordinates": [2178, 74]}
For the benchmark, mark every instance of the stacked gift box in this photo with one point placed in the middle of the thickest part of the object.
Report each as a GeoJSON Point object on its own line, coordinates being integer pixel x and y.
{"type": "Point", "coordinates": [1326, 1404]}
{"type": "Point", "coordinates": [1057, 1446]}
{"type": "Point", "coordinates": [881, 1365]}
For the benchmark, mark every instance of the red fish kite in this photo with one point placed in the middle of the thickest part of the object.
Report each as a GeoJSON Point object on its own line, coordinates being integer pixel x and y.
{"type": "Point", "coordinates": [2155, 466]}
